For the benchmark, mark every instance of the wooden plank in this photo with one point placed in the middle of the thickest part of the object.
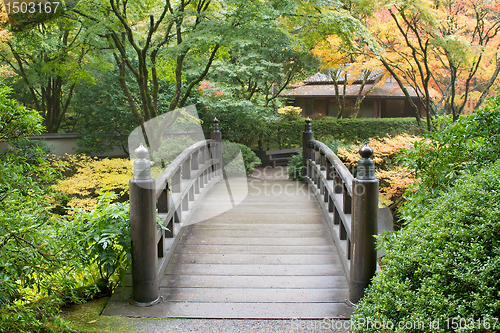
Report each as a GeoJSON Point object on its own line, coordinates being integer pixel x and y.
{"type": "Point", "coordinates": [273, 249]}
{"type": "Point", "coordinates": [248, 270]}
{"type": "Point", "coordinates": [254, 233]}
{"type": "Point", "coordinates": [232, 310]}
{"type": "Point", "coordinates": [262, 259]}
{"type": "Point", "coordinates": [264, 218]}
{"type": "Point", "coordinates": [259, 226]}
{"type": "Point", "coordinates": [253, 282]}
{"type": "Point", "coordinates": [238, 295]}
{"type": "Point", "coordinates": [254, 241]}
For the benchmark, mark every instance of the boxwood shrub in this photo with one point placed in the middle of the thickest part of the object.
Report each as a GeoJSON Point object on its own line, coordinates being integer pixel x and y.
{"type": "Point", "coordinates": [442, 268]}
{"type": "Point", "coordinates": [288, 134]}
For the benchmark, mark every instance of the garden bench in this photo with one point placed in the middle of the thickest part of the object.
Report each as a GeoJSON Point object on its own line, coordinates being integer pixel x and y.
{"type": "Point", "coordinates": [283, 155]}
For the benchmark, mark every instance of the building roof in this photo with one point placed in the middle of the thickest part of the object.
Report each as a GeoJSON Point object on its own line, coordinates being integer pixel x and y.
{"type": "Point", "coordinates": [319, 78]}
{"type": "Point", "coordinates": [388, 90]}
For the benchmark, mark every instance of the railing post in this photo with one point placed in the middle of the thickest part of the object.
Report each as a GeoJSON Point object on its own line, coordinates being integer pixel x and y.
{"type": "Point", "coordinates": [217, 137]}
{"type": "Point", "coordinates": [143, 232]}
{"type": "Point", "coordinates": [306, 137]}
{"type": "Point", "coordinates": [364, 226]}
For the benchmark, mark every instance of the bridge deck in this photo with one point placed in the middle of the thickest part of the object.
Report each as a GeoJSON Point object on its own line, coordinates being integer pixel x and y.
{"type": "Point", "coordinates": [272, 256]}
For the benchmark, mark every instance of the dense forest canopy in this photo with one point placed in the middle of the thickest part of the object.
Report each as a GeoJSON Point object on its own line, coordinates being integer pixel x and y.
{"type": "Point", "coordinates": [155, 56]}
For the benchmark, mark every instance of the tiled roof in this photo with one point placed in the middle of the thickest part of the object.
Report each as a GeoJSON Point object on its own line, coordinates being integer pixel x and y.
{"type": "Point", "coordinates": [388, 90]}
{"type": "Point", "coordinates": [326, 78]}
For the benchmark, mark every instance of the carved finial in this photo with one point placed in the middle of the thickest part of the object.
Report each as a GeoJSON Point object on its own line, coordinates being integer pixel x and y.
{"type": "Point", "coordinates": [216, 124]}
{"type": "Point", "coordinates": [366, 151]}
{"type": "Point", "coordinates": [142, 169]}
{"type": "Point", "coordinates": [366, 167]}
{"type": "Point", "coordinates": [308, 125]}
{"type": "Point", "coordinates": [141, 151]}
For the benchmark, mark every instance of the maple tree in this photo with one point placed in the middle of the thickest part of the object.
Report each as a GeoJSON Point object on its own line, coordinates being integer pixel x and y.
{"type": "Point", "coordinates": [345, 66]}
{"type": "Point", "coordinates": [44, 61]}
{"type": "Point", "coordinates": [447, 51]}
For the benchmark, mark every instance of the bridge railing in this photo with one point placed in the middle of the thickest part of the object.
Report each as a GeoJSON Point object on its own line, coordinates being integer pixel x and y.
{"type": "Point", "coordinates": [173, 197]}
{"type": "Point", "coordinates": [350, 205]}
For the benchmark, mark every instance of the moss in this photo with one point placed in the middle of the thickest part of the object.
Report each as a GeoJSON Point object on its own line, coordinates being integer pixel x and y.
{"type": "Point", "coordinates": [87, 317]}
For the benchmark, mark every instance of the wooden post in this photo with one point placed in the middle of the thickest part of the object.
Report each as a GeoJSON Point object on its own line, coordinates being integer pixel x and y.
{"type": "Point", "coordinates": [306, 137]}
{"type": "Point", "coordinates": [217, 137]}
{"type": "Point", "coordinates": [364, 226]}
{"type": "Point", "coordinates": [143, 232]}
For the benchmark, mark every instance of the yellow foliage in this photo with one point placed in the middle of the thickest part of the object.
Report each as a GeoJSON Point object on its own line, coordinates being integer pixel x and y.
{"type": "Point", "coordinates": [91, 176]}
{"type": "Point", "coordinates": [394, 180]}
{"type": "Point", "coordinates": [383, 149]}
{"type": "Point", "coordinates": [290, 112]}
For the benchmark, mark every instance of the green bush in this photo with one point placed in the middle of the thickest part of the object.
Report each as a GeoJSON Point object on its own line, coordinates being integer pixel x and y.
{"type": "Point", "coordinates": [229, 153]}
{"type": "Point", "coordinates": [444, 155]}
{"type": "Point", "coordinates": [295, 170]}
{"type": "Point", "coordinates": [283, 134]}
{"type": "Point", "coordinates": [105, 239]}
{"type": "Point", "coordinates": [444, 265]}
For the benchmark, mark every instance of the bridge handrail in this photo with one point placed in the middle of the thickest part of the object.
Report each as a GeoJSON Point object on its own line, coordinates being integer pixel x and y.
{"type": "Point", "coordinates": [350, 206]}
{"type": "Point", "coordinates": [175, 194]}
{"type": "Point", "coordinates": [177, 163]}
{"type": "Point", "coordinates": [335, 162]}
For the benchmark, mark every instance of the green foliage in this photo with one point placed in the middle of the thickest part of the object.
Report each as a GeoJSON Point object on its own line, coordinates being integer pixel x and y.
{"type": "Point", "coordinates": [444, 155]}
{"type": "Point", "coordinates": [467, 144]}
{"type": "Point", "coordinates": [104, 238]}
{"type": "Point", "coordinates": [288, 134]}
{"type": "Point", "coordinates": [16, 121]}
{"type": "Point", "coordinates": [444, 264]}
{"type": "Point", "coordinates": [240, 121]}
{"type": "Point", "coordinates": [48, 60]}
{"type": "Point", "coordinates": [229, 153]}
{"type": "Point", "coordinates": [295, 168]}
{"type": "Point", "coordinates": [33, 317]}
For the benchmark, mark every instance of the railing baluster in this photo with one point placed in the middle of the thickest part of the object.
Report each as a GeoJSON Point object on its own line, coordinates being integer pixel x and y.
{"type": "Point", "coordinates": [360, 201]}
{"type": "Point", "coordinates": [337, 183]}
{"type": "Point", "coordinates": [329, 169]}
{"type": "Point", "coordinates": [176, 182]}
{"type": "Point", "coordinates": [336, 217]}
{"type": "Point", "coordinates": [195, 161]}
{"type": "Point", "coordinates": [347, 206]}
{"type": "Point", "coordinates": [186, 169]}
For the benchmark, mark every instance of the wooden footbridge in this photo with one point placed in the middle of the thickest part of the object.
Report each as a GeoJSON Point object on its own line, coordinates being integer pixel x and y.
{"type": "Point", "coordinates": [288, 250]}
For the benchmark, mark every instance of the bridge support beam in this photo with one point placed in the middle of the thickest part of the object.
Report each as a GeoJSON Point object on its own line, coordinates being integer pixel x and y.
{"type": "Point", "coordinates": [364, 226]}
{"type": "Point", "coordinates": [143, 232]}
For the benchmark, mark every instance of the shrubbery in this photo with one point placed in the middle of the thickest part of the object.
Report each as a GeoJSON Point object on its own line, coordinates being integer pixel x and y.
{"type": "Point", "coordinates": [443, 265]}
{"type": "Point", "coordinates": [443, 156]}
{"type": "Point", "coordinates": [394, 179]}
{"type": "Point", "coordinates": [88, 176]}
{"type": "Point", "coordinates": [230, 151]}
{"type": "Point", "coordinates": [295, 169]}
{"type": "Point", "coordinates": [283, 134]}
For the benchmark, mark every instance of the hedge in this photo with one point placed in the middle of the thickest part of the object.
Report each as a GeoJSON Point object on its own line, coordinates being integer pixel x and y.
{"type": "Point", "coordinates": [288, 134]}
{"type": "Point", "coordinates": [442, 270]}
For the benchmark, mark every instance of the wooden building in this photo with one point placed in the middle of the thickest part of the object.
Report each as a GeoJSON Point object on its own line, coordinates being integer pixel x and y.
{"type": "Point", "coordinates": [316, 97]}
